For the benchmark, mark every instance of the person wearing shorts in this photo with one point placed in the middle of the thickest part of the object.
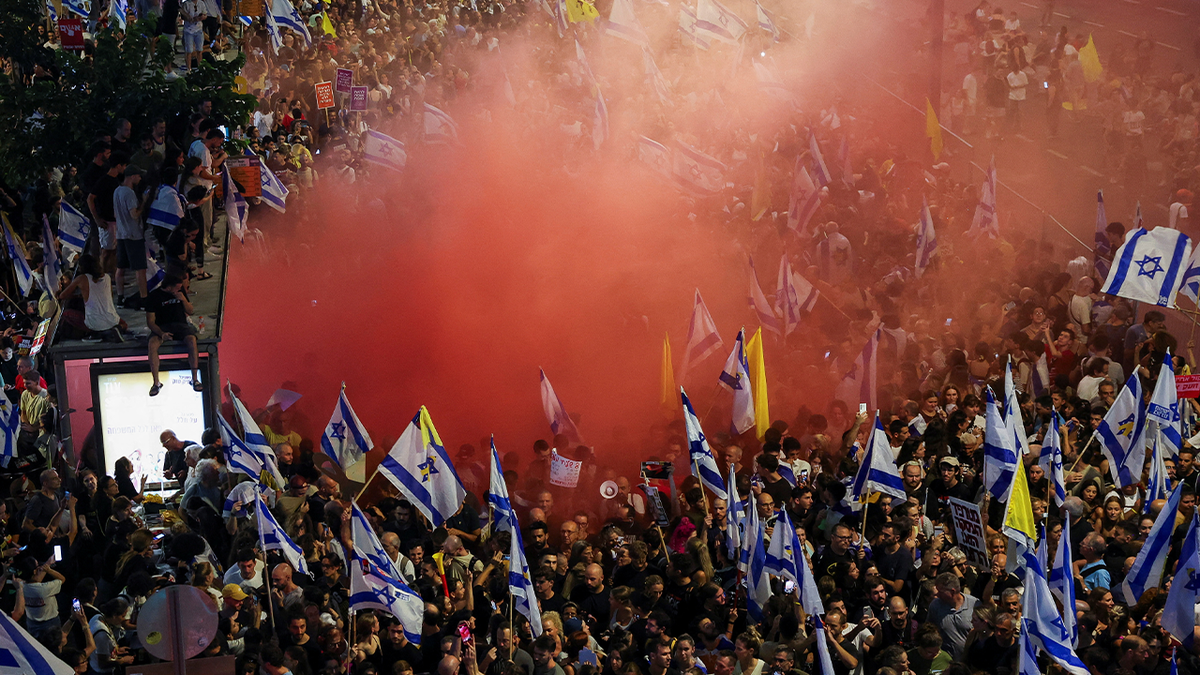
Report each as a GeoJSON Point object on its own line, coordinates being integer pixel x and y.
{"type": "Point", "coordinates": [130, 242]}
{"type": "Point", "coordinates": [167, 310]}
{"type": "Point", "coordinates": [194, 12]}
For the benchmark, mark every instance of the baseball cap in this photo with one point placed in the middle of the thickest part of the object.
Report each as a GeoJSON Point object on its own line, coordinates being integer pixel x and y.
{"type": "Point", "coordinates": [234, 592]}
{"type": "Point", "coordinates": [131, 170]}
{"type": "Point", "coordinates": [949, 460]}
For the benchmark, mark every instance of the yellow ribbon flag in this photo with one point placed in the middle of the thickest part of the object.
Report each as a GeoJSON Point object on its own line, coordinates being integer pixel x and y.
{"type": "Point", "coordinates": [1089, 58]}
{"type": "Point", "coordinates": [580, 10]}
{"type": "Point", "coordinates": [669, 397]}
{"type": "Point", "coordinates": [933, 130]}
{"type": "Point", "coordinates": [760, 198]}
{"type": "Point", "coordinates": [327, 25]}
{"type": "Point", "coordinates": [758, 383]}
{"type": "Point", "coordinates": [1018, 517]}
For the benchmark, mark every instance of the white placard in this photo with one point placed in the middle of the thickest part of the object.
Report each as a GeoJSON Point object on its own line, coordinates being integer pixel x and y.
{"type": "Point", "coordinates": [564, 472]}
{"type": "Point", "coordinates": [968, 530]}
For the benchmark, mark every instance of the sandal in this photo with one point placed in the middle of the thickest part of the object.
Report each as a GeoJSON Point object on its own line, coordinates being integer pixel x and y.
{"type": "Point", "coordinates": [197, 385]}
{"type": "Point", "coordinates": [201, 276]}
{"type": "Point", "coordinates": [155, 389]}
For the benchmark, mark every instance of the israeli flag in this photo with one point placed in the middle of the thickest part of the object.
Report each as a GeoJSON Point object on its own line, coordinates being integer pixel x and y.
{"type": "Point", "coordinates": [274, 192]}
{"type": "Point", "coordinates": [794, 296]}
{"type": "Point", "coordinates": [21, 654]}
{"type": "Point", "coordinates": [77, 7]}
{"type": "Point", "coordinates": [167, 209]}
{"type": "Point", "coordinates": [381, 149]}
{"type": "Point", "coordinates": [761, 306]}
{"type": "Point", "coordinates": [1179, 614]}
{"type": "Point", "coordinates": [805, 199]}
{"type": "Point", "coordinates": [599, 120]}
{"type": "Point", "coordinates": [346, 441]}
{"type": "Point", "coordinates": [659, 83]}
{"type": "Point", "coordinates": [1027, 661]}
{"type": "Point", "coordinates": [271, 537]}
{"type": "Point", "coordinates": [859, 384]}
{"type": "Point", "coordinates": [823, 647]}
{"type": "Point", "coordinates": [520, 584]}
{"type": "Point", "coordinates": [703, 463]}
{"type": "Point", "coordinates": [656, 155]}
{"type": "Point", "coordinates": [916, 427]}
{"type": "Point", "coordinates": [1012, 411]}
{"type": "Point", "coordinates": [770, 82]}
{"type": "Point", "coordinates": [419, 466]}
{"type": "Point", "coordinates": [1102, 249]}
{"type": "Point", "coordinates": [236, 208]}
{"type": "Point", "coordinates": [373, 588]}
{"type": "Point", "coordinates": [878, 473]}
{"type": "Point", "coordinates": [1147, 569]}
{"type": "Point", "coordinates": [820, 171]}
{"type": "Point", "coordinates": [844, 160]}
{"type": "Point", "coordinates": [119, 12]}
{"type": "Point", "coordinates": [623, 23]}
{"type": "Point", "coordinates": [1156, 486]}
{"type": "Point", "coordinates": [1164, 407]}
{"type": "Point", "coordinates": [439, 127]}
{"type": "Point", "coordinates": [246, 21]}
{"type": "Point", "coordinates": [734, 518]}
{"type": "Point", "coordinates": [1189, 284]}
{"type": "Point", "coordinates": [719, 22]}
{"type": "Point", "coordinates": [926, 239]}
{"type": "Point", "coordinates": [51, 10]}
{"type": "Point", "coordinates": [556, 414]}
{"type": "Point", "coordinates": [736, 378]}
{"type": "Point", "coordinates": [1062, 582]}
{"type": "Point", "coordinates": [1122, 434]}
{"type": "Point", "coordinates": [244, 458]}
{"type": "Point", "coordinates": [10, 427]}
{"type": "Point", "coordinates": [1051, 459]}
{"type": "Point", "coordinates": [1149, 266]}
{"type": "Point", "coordinates": [367, 544]}
{"type": "Point", "coordinates": [687, 27]}
{"type": "Point", "coordinates": [696, 172]}
{"type": "Point", "coordinates": [765, 22]}
{"type": "Point", "coordinates": [247, 493]}
{"type": "Point", "coordinates": [503, 516]}
{"type": "Point", "coordinates": [1039, 377]}
{"type": "Point", "coordinates": [999, 452]}
{"type": "Point", "coordinates": [987, 220]}
{"type": "Point", "coordinates": [283, 13]}
{"type": "Point", "coordinates": [15, 253]}
{"type": "Point", "coordinates": [253, 436]}
{"type": "Point", "coordinates": [53, 268]}
{"type": "Point", "coordinates": [783, 550]}
{"type": "Point", "coordinates": [73, 227]}
{"type": "Point", "coordinates": [1045, 625]}
{"type": "Point", "coordinates": [702, 338]}
{"type": "Point", "coordinates": [154, 273]}
{"type": "Point", "coordinates": [758, 582]}
{"type": "Point", "coordinates": [273, 32]}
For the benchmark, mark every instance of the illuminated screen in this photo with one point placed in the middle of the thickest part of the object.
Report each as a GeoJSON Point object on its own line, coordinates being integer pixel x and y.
{"type": "Point", "coordinates": [131, 419]}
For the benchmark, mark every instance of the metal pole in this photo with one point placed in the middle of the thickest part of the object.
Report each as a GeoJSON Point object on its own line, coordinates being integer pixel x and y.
{"type": "Point", "coordinates": [937, 13]}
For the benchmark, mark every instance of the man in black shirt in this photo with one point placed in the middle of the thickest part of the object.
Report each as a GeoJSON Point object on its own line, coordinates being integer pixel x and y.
{"type": "Point", "coordinates": [838, 551]}
{"type": "Point", "coordinates": [100, 207]}
{"type": "Point", "coordinates": [99, 152]}
{"type": "Point", "coordinates": [167, 310]}
{"type": "Point", "coordinates": [894, 561]}
{"type": "Point", "coordinates": [772, 483]}
{"type": "Point", "coordinates": [397, 647]}
{"type": "Point", "coordinates": [942, 489]}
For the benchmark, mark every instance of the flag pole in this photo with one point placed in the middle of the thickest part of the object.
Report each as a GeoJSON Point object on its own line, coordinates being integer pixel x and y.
{"type": "Point", "coordinates": [696, 473]}
{"type": "Point", "coordinates": [368, 483]}
{"type": "Point", "coordinates": [512, 629]}
{"type": "Point", "coordinates": [263, 547]}
{"type": "Point", "coordinates": [1081, 453]}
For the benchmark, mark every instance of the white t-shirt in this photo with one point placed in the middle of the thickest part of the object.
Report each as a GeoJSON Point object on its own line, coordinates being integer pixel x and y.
{"type": "Point", "coordinates": [40, 602]}
{"type": "Point", "coordinates": [234, 576]}
{"type": "Point", "coordinates": [199, 149]}
{"type": "Point", "coordinates": [1016, 85]}
{"type": "Point", "coordinates": [193, 8]}
{"type": "Point", "coordinates": [1133, 122]}
{"type": "Point", "coordinates": [1178, 210]}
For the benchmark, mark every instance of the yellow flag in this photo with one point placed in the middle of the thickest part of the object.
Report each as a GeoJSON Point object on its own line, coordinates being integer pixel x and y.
{"type": "Point", "coordinates": [758, 383]}
{"type": "Point", "coordinates": [933, 130]}
{"type": "Point", "coordinates": [327, 25]}
{"type": "Point", "coordinates": [669, 398]}
{"type": "Point", "coordinates": [1018, 517]}
{"type": "Point", "coordinates": [760, 199]}
{"type": "Point", "coordinates": [580, 10]}
{"type": "Point", "coordinates": [1089, 58]}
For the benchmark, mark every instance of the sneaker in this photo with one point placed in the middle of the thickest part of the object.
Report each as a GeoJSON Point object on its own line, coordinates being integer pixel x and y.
{"type": "Point", "coordinates": [120, 301]}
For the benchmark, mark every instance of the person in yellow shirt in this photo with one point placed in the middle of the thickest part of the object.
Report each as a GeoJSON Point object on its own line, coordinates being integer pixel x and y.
{"type": "Point", "coordinates": [33, 404]}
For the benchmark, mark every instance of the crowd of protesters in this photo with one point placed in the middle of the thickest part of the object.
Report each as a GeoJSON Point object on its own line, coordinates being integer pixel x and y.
{"type": "Point", "coordinates": [618, 591]}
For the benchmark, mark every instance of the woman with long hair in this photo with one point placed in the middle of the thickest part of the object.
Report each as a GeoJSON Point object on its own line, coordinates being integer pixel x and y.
{"type": "Point", "coordinates": [204, 577]}
{"type": "Point", "coordinates": [124, 475]}
{"type": "Point", "coordinates": [102, 502]}
{"type": "Point", "coordinates": [137, 558]}
{"type": "Point", "coordinates": [95, 287]}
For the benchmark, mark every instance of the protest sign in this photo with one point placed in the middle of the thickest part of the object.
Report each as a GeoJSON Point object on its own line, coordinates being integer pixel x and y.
{"type": "Point", "coordinates": [358, 99]}
{"type": "Point", "coordinates": [968, 530]}
{"type": "Point", "coordinates": [324, 95]}
{"type": "Point", "coordinates": [564, 472]}
{"type": "Point", "coordinates": [345, 78]}
{"type": "Point", "coordinates": [70, 34]}
{"type": "Point", "coordinates": [1187, 386]}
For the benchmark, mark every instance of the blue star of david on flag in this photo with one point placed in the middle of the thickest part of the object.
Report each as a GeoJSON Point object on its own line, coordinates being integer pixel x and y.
{"type": "Point", "coordinates": [1147, 261]}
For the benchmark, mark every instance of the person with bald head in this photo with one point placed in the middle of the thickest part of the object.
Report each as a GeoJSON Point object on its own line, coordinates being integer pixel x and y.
{"type": "Point", "coordinates": [175, 466]}
{"type": "Point", "coordinates": [460, 564]}
{"type": "Point", "coordinates": [592, 598]}
{"type": "Point", "coordinates": [284, 589]}
{"type": "Point", "coordinates": [391, 544]}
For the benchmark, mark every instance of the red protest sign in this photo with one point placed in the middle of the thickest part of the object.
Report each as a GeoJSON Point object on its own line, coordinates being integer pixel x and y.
{"type": "Point", "coordinates": [345, 78]}
{"type": "Point", "coordinates": [70, 34]}
{"type": "Point", "coordinates": [1187, 386]}
{"type": "Point", "coordinates": [324, 95]}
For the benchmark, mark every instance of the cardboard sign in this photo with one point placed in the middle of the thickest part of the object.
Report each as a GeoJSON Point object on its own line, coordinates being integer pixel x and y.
{"type": "Point", "coordinates": [345, 78]}
{"type": "Point", "coordinates": [247, 173]}
{"type": "Point", "coordinates": [70, 34]}
{"type": "Point", "coordinates": [358, 99]}
{"type": "Point", "coordinates": [1187, 386]}
{"type": "Point", "coordinates": [324, 95]}
{"type": "Point", "coordinates": [39, 338]}
{"type": "Point", "coordinates": [251, 8]}
{"type": "Point", "coordinates": [968, 530]}
{"type": "Point", "coordinates": [564, 472]}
